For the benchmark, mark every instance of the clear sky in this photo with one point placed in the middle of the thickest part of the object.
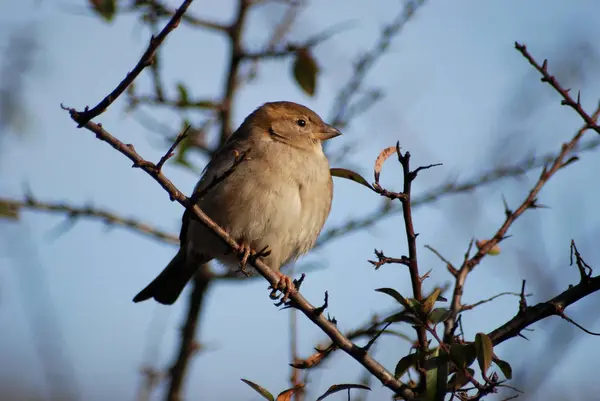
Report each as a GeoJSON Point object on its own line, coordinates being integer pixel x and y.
{"type": "Point", "coordinates": [457, 93]}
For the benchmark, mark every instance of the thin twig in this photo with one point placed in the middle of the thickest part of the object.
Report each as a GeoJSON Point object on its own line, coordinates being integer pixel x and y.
{"type": "Point", "coordinates": [235, 58]}
{"type": "Point", "coordinates": [567, 99]}
{"type": "Point", "coordinates": [490, 299]}
{"type": "Point", "coordinates": [105, 216]}
{"type": "Point", "coordinates": [145, 61]}
{"type": "Point", "coordinates": [344, 109]}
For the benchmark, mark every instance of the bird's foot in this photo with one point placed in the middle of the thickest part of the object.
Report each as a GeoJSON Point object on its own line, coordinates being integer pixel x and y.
{"type": "Point", "coordinates": [285, 284]}
{"type": "Point", "coordinates": [250, 256]}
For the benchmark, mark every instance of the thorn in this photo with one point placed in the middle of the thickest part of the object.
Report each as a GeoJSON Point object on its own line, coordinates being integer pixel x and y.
{"type": "Point", "coordinates": [319, 311]}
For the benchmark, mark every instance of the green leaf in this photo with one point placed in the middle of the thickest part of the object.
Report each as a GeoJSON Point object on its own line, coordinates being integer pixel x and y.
{"type": "Point", "coordinates": [183, 94]}
{"type": "Point", "coordinates": [463, 354]}
{"type": "Point", "coordinates": [105, 8]}
{"type": "Point", "coordinates": [485, 351]}
{"type": "Point", "coordinates": [185, 145]}
{"type": "Point", "coordinates": [339, 387]}
{"type": "Point", "coordinates": [438, 315]}
{"type": "Point", "coordinates": [396, 295]}
{"type": "Point", "coordinates": [404, 364]}
{"type": "Point", "coordinates": [459, 379]}
{"type": "Point", "coordinates": [398, 334]}
{"type": "Point", "coordinates": [430, 301]}
{"type": "Point", "coordinates": [260, 390]}
{"type": "Point", "coordinates": [403, 316]}
{"type": "Point", "coordinates": [9, 210]}
{"type": "Point", "coordinates": [504, 367]}
{"type": "Point", "coordinates": [436, 377]}
{"type": "Point", "coordinates": [349, 175]}
{"type": "Point", "coordinates": [305, 71]}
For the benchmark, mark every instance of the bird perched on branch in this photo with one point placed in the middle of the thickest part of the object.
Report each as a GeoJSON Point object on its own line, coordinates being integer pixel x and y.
{"type": "Point", "coordinates": [269, 187]}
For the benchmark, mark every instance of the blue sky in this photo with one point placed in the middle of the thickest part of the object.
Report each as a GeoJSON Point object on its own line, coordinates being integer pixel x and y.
{"type": "Point", "coordinates": [457, 93]}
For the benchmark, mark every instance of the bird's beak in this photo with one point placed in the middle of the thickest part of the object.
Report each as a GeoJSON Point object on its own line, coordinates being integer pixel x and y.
{"type": "Point", "coordinates": [328, 133]}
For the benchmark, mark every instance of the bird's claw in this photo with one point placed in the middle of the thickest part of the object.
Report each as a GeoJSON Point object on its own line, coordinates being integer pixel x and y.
{"type": "Point", "coordinates": [250, 255]}
{"type": "Point", "coordinates": [286, 285]}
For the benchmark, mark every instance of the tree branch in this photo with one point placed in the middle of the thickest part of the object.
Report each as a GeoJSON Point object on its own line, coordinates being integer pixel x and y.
{"type": "Point", "coordinates": [495, 175]}
{"type": "Point", "coordinates": [555, 306]}
{"type": "Point", "coordinates": [376, 369]}
{"type": "Point", "coordinates": [188, 345]}
{"type": "Point", "coordinates": [530, 201]}
{"type": "Point", "coordinates": [235, 58]}
{"type": "Point", "coordinates": [144, 62]}
{"type": "Point", "coordinates": [105, 216]}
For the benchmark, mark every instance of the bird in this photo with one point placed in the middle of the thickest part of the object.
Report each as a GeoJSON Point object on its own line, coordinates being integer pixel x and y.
{"type": "Point", "coordinates": [269, 187]}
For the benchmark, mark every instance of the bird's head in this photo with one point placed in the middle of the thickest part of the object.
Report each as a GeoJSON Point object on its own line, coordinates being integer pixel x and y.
{"type": "Point", "coordinates": [290, 123]}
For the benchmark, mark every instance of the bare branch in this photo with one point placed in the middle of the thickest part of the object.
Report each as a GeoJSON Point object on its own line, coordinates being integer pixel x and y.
{"type": "Point", "coordinates": [188, 345]}
{"type": "Point", "coordinates": [235, 58]}
{"type": "Point", "coordinates": [163, 11]}
{"type": "Point", "coordinates": [344, 109]}
{"type": "Point", "coordinates": [144, 62]}
{"type": "Point", "coordinates": [529, 202]}
{"type": "Point", "coordinates": [93, 213]}
{"type": "Point", "coordinates": [533, 314]}
{"type": "Point", "coordinates": [490, 299]}
{"type": "Point", "coordinates": [567, 99]}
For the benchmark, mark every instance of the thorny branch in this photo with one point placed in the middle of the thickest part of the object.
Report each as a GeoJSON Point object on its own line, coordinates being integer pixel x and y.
{"type": "Point", "coordinates": [530, 201]}
{"type": "Point", "coordinates": [83, 119]}
{"type": "Point", "coordinates": [495, 175]}
{"type": "Point", "coordinates": [376, 369]}
{"type": "Point", "coordinates": [553, 307]}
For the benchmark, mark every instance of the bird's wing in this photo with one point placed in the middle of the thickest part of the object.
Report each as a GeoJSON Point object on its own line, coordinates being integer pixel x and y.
{"type": "Point", "coordinates": [216, 171]}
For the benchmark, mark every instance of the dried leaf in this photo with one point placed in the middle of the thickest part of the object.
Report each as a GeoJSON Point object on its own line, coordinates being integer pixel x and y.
{"type": "Point", "coordinates": [349, 175]}
{"type": "Point", "coordinates": [339, 387]}
{"type": "Point", "coordinates": [485, 351]}
{"type": "Point", "coordinates": [383, 156]}
{"type": "Point", "coordinates": [287, 394]}
{"type": "Point", "coordinates": [309, 362]}
{"type": "Point", "coordinates": [105, 8]}
{"type": "Point", "coordinates": [260, 390]}
{"type": "Point", "coordinates": [305, 71]}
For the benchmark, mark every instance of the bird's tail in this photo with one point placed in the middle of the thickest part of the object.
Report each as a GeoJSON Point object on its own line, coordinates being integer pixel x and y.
{"type": "Point", "coordinates": [169, 284]}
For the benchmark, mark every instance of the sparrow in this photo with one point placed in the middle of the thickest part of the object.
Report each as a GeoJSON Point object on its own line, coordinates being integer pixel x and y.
{"type": "Point", "coordinates": [273, 201]}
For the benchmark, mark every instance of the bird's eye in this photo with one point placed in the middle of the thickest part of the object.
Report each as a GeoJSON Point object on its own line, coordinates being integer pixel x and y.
{"type": "Point", "coordinates": [301, 122]}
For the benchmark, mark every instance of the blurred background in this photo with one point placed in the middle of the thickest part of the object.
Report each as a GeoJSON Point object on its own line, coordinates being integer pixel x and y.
{"type": "Point", "coordinates": [443, 78]}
